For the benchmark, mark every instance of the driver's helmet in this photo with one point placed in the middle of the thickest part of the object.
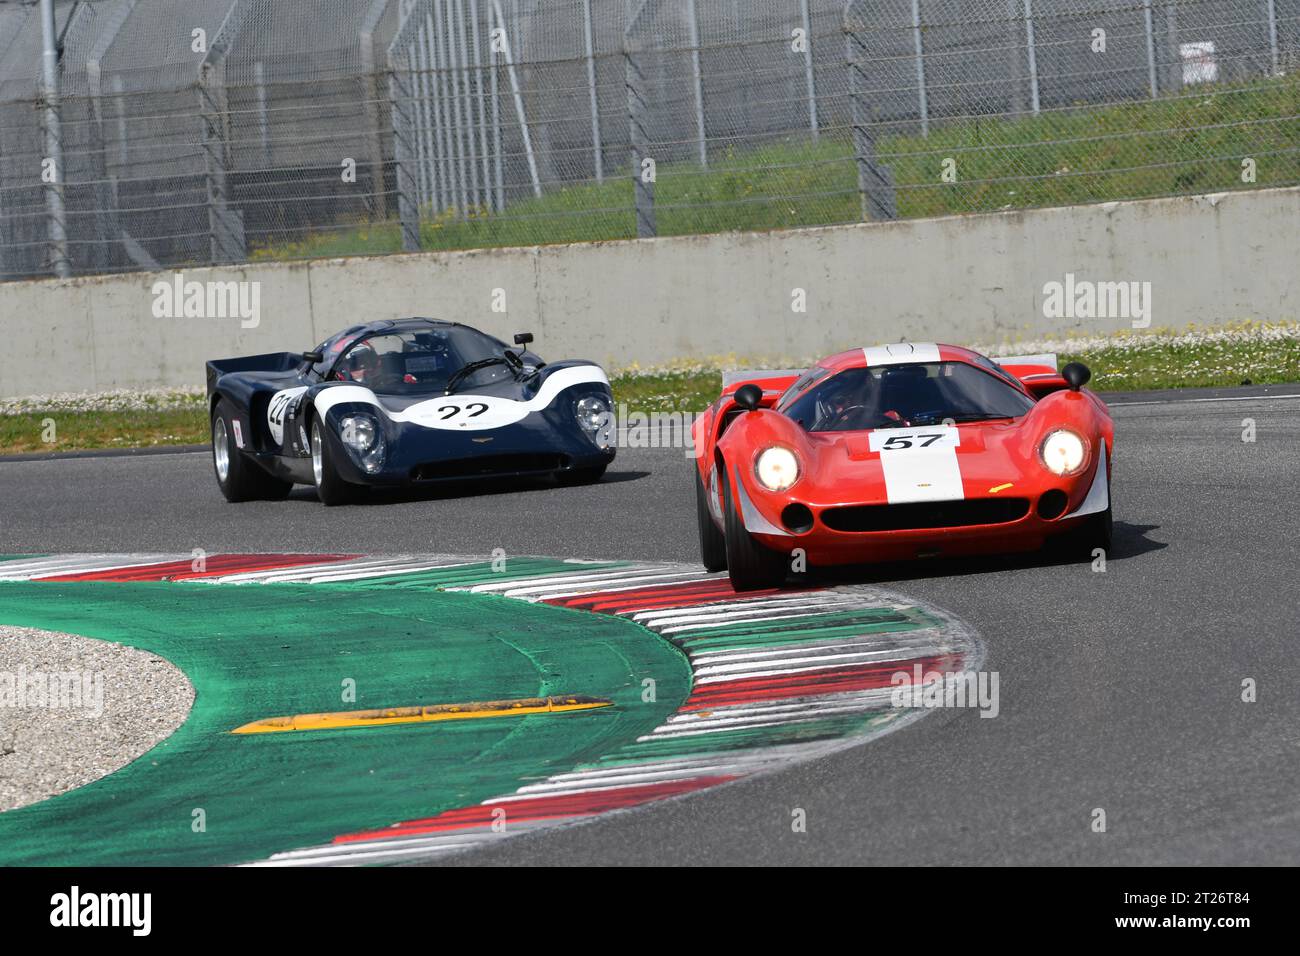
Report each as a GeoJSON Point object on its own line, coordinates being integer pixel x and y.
{"type": "Point", "coordinates": [360, 364]}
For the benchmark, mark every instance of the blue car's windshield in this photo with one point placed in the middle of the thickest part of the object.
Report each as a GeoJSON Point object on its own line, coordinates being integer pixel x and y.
{"type": "Point", "coordinates": [422, 360]}
{"type": "Point", "coordinates": [893, 396]}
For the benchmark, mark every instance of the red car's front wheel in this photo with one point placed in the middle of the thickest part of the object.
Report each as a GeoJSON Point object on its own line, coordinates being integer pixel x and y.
{"type": "Point", "coordinates": [713, 546]}
{"type": "Point", "coordinates": [751, 566]}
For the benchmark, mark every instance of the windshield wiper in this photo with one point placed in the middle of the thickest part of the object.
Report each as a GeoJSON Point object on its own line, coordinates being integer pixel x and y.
{"type": "Point", "coordinates": [466, 370]}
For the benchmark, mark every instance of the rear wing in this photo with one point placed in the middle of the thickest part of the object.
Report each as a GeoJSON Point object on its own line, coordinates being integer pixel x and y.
{"type": "Point", "coordinates": [278, 362]}
{"type": "Point", "coordinates": [1038, 373]}
{"type": "Point", "coordinates": [773, 381]}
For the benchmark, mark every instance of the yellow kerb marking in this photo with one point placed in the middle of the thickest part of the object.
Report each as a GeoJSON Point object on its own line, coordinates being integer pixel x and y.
{"type": "Point", "coordinates": [996, 488]}
{"type": "Point", "coordinates": [411, 715]}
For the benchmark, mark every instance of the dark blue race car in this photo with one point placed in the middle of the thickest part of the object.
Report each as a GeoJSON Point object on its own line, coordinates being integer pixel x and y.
{"type": "Point", "coordinates": [401, 403]}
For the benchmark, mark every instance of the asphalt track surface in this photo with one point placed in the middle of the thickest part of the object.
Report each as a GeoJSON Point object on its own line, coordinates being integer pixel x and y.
{"type": "Point", "coordinates": [1119, 691]}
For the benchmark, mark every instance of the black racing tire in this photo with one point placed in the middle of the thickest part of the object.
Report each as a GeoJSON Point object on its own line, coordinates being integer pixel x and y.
{"type": "Point", "coordinates": [581, 476]}
{"type": "Point", "coordinates": [751, 566]}
{"type": "Point", "coordinates": [238, 477]}
{"type": "Point", "coordinates": [1098, 531]}
{"type": "Point", "coordinates": [713, 545]}
{"type": "Point", "coordinates": [331, 489]}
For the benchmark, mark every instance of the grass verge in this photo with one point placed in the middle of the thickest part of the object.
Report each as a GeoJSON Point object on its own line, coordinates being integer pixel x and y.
{"type": "Point", "coordinates": [1233, 355]}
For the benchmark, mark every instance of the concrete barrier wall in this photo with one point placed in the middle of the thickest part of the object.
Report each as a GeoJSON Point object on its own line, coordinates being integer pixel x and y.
{"type": "Point", "coordinates": [964, 280]}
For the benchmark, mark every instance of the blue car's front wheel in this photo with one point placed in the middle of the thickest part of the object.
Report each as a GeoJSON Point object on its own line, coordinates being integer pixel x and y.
{"type": "Point", "coordinates": [330, 487]}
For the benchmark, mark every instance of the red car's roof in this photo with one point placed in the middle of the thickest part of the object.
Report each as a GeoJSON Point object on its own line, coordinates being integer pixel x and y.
{"type": "Point", "coordinates": [899, 353]}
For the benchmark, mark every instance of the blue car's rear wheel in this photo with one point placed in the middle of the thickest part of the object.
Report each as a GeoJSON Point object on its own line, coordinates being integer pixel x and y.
{"type": "Point", "coordinates": [239, 478]}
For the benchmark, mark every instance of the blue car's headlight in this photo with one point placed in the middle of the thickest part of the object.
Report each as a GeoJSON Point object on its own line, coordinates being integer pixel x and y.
{"type": "Point", "coordinates": [365, 439]}
{"type": "Point", "coordinates": [595, 418]}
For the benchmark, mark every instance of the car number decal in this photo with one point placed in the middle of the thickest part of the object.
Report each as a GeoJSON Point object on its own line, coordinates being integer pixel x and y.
{"type": "Point", "coordinates": [914, 439]}
{"type": "Point", "coordinates": [278, 407]}
{"type": "Point", "coordinates": [920, 464]}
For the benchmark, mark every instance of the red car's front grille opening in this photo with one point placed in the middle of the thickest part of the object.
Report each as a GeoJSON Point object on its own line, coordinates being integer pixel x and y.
{"type": "Point", "coordinates": [921, 515]}
{"type": "Point", "coordinates": [485, 466]}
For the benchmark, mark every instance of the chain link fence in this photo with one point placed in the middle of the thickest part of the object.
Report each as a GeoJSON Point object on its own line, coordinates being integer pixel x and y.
{"type": "Point", "coordinates": [190, 132]}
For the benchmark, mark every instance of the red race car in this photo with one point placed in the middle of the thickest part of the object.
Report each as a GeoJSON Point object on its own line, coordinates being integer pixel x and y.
{"type": "Point", "coordinates": [899, 452]}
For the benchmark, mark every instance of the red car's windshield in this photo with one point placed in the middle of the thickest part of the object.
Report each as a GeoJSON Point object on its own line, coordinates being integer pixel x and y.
{"type": "Point", "coordinates": [900, 395]}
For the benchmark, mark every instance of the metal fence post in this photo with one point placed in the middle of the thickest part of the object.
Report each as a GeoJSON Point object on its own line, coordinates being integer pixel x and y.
{"type": "Point", "coordinates": [1175, 47]}
{"type": "Point", "coordinates": [498, 170]}
{"type": "Point", "coordinates": [646, 226]}
{"type": "Point", "coordinates": [919, 45]}
{"type": "Point", "coordinates": [408, 207]}
{"type": "Point", "coordinates": [1015, 62]}
{"type": "Point", "coordinates": [810, 77]}
{"type": "Point", "coordinates": [54, 207]}
{"type": "Point", "coordinates": [693, 25]}
{"type": "Point", "coordinates": [484, 153]}
{"type": "Point", "coordinates": [370, 86]}
{"type": "Point", "coordinates": [225, 230]}
{"type": "Point", "coordinates": [589, 41]}
{"type": "Point", "coordinates": [1151, 49]}
{"type": "Point", "coordinates": [263, 130]}
{"type": "Point", "coordinates": [1032, 55]}
{"type": "Point", "coordinates": [437, 107]}
{"type": "Point", "coordinates": [1272, 37]}
{"type": "Point", "coordinates": [875, 182]}
{"type": "Point", "coordinates": [518, 96]}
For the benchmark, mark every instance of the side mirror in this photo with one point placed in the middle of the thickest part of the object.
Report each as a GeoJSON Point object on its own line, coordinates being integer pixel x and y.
{"type": "Point", "coordinates": [523, 338]}
{"type": "Point", "coordinates": [314, 357]}
{"type": "Point", "coordinates": [1076, 375]}
{"type": "Point", "coordinates": [748, 397]}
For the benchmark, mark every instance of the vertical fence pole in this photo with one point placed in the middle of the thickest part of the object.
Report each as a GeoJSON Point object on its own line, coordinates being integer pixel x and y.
{"type": "Point", "coordinates": [58, 228]}
{"type": "Point", "coordinates": [693, 16]}
{"type": "Point", "coordinates": [119, 99]}
{"type": "Point", "coordinates": [370, 84]}
{"type": "Point", "coordinates": [447, 173]}
{"type": "Point", "coordinates": [1033, 55]}
{"type": "Point", "coordinates": [399, 100]}
{"type": "Point", "coordinates": [419, 116]}
{"type": "Point", "coordinates": [589, 40]}
{"type": "Point", "coordinates": [1175, 47]}
{"type": "Point", "coordinates": [919, 44]}
{"type": "Point", "coordinates": [875, 182]}
{"type": "Point", "coordinates": [640, 147]}
{"type": "Point", "coordinates": [263, 130]}
{"type": "Point", "coordinates": [1152, 81]}
{"type": "Point", "coordinates": [498, 164]}
{"type": "Point", "coordinates": [518, 96]}
{"type": "Point", "coordinates": [1272, 37]}
{"type": "Point", "coordinates": [484, 153]}
{"type": "Point", "coordinates": [447, 43]}
{"type": "Point", "coordinates": [810, 77]}
{"type": "Point", "coordinates": [462, 36]}
{"type": "Point", "coordinates": [1016, 100]}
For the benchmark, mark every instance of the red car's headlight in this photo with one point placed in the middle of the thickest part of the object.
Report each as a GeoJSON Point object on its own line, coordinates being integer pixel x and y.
{"type": "Point", "coordinates": [777, 468]}
{"type": "Point", "coordinates": [1064, 452]}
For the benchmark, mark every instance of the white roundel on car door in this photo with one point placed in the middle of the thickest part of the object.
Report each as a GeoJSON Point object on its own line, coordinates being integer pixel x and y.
{"type": "Point", "coordinates": [276, 409]}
